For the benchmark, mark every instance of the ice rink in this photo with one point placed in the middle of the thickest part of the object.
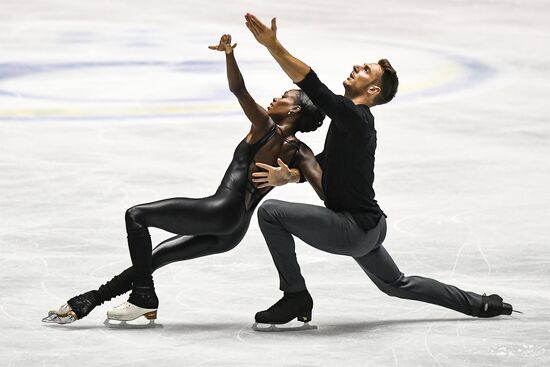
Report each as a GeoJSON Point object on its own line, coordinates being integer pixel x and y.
{"type": "Point", "coordinates": [107, 104]}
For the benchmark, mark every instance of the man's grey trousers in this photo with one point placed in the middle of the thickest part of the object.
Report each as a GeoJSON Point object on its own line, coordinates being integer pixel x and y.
{"type": "Point", "coordinates": [338, 233]}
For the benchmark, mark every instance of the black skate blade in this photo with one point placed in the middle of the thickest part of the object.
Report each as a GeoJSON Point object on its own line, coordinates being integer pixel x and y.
{"type": "Point", "coordinates": [278, 328]}
{"type": "Point", "coordinates": [516, 311]}
{"type": "Point", "coordinates": [117, 324]}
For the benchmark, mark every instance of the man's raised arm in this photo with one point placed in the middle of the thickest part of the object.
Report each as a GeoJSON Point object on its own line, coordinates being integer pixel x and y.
{"type": "Point", "coordinates": [294, 68]}
{"type": "Point", "coordinates": [340, 109]}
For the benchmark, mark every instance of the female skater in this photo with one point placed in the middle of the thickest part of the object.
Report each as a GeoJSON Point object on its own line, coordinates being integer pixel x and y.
{"type": "Point", "coordinates": [214, 224]}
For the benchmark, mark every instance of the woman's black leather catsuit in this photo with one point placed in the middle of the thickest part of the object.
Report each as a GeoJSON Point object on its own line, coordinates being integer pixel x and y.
{"type": "Point", "coordinates": [206, 226]}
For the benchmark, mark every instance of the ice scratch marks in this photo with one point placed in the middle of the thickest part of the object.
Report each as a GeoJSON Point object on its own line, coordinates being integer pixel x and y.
{"type": "Point", "coordinates": [472, 237]}
{"type": "Point", "coordinates": [394, 357]}
{"type": "Point", "coordinates": [427, 345]}
{"type": "Point", "coordinates": [463, 224]}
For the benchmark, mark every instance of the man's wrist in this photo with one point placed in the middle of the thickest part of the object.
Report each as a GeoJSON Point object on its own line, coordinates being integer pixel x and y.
{"type": "Point", "coordinates": [294, 175]}
{"type": "Point", "coordinates": [275, 48]}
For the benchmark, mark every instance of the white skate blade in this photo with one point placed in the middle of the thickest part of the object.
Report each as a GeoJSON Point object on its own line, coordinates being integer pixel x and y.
{"type": "Point", "coordinates": [54, 318]}
{"type": "Point", "coordinates": [277, 328]}
{"type": "Point", "coordinates": [64, 315]}
{"type": "Point", "coordinates": [116, 324]}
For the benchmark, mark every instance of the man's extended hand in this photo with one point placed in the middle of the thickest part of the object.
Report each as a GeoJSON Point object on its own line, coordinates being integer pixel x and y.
{"type": "Point", "coordinates": [294, 68]}
{"type": "Point", "coordinates": [264, 35]}
{"type": "Point", "coordinates": [274, 176]}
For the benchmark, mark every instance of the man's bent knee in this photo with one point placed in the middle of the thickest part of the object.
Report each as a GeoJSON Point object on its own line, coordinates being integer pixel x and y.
{"type": "Point", "coordinates": [269, 209]}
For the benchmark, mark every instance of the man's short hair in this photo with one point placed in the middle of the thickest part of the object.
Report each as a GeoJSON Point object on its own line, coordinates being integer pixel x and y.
{"type": "Point", "coordinates": [388, 83]}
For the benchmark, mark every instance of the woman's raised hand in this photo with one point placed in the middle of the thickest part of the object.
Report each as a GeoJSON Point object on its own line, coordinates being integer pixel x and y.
{"type": "Point", "coordinates": [224, 45]}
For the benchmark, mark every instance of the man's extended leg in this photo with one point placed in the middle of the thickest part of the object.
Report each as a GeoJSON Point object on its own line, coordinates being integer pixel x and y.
{"type": "Point", "coordinates": [382, 270]}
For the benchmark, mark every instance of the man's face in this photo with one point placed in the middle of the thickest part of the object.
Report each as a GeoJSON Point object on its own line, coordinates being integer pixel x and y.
{"type": "Point", "coordinates": [362, 77]}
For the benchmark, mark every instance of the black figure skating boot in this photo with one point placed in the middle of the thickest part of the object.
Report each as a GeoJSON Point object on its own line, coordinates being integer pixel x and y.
{"type": "Point", "coordinates": [292, 305]}
{"type": "Point", "coordinates": [75, 309]}
{"type": "Point", "coordinates": [492, 306]}
{"type": "Point", "coordinates": [143, 301]}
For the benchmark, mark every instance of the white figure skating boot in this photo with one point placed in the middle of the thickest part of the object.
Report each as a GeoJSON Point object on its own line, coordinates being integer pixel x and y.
{"type": "Point", "coordinates": [142, 302]}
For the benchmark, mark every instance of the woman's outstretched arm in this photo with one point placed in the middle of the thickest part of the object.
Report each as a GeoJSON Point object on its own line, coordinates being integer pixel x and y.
{"type": "Point", "coordinates": [256, 114]}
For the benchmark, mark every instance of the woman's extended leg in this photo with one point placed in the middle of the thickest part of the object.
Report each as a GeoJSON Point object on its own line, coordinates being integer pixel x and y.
{"type": "Point", "coordinates": [177, 248]}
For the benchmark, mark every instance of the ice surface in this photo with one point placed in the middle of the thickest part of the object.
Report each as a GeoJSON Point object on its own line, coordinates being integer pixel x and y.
{"type": "Point", "coordinates": [107, 104]}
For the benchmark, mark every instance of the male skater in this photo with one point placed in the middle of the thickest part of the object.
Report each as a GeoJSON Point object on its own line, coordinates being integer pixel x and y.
{"type": "Point", "coordinates": [352, 223]}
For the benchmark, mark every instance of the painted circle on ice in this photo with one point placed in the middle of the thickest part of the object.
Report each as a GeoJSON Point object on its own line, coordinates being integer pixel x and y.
{"type": "Point", "coordinates": [190, 88]}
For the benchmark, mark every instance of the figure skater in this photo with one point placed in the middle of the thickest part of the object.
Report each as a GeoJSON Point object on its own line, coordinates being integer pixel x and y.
{"type": "Point", "coordinates": [214, 224]}
{"type": "Point", "coordinates": [351, 223]}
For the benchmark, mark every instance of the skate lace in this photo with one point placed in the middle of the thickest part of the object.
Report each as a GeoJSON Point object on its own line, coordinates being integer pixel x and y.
{"type": "Point", "coordinates": [122, 306]}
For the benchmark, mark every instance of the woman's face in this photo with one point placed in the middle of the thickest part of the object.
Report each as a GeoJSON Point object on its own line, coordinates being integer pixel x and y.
{"type": "Point", "coordinates": [283, 106]}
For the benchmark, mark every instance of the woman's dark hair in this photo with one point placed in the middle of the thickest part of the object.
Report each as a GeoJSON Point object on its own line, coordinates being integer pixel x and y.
{"type": "Point", "coordinates": [311, 117]}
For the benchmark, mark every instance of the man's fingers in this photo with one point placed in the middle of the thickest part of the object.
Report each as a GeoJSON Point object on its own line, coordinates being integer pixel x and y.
{"type": "Point", "coordinates": [256, 21]}
{"type": "Point", "coordinates": [254, 32]}
{"type": "Point", "coordinates": [274, 24]}
{"type": "Point", "coordinates": [260, 174]}
{"type": "Point", "coordinates": [263, 185]}
{"type": "Point", "coordinates": [213, 47]}
{"type": "Point", "coordinates": [235, 45]}
{"type": "Point", "coordinates": [261, 179]}
{"type": "Point", "coordinates": [255, 27]}
{"type": "Point", "coordinates": [265, 166]}
{"type": "Point", "coordinates": [281, 163]}
{"type": "Point", "coordinates": [250, 24]}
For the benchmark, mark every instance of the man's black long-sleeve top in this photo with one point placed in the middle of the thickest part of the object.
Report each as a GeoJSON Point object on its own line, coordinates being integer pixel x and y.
{"type": "Point", "coordinates": [347, 159]}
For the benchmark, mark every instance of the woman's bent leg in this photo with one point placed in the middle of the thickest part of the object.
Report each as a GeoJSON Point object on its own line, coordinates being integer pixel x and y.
{"type": "Point", "coordinates": [177, 248]}
{"type": "Point", "coordinates": [214, 215]}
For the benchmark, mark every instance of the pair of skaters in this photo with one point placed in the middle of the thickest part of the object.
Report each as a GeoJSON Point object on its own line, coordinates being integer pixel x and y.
{"type": "Point", "coordinates": [351, 223]}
